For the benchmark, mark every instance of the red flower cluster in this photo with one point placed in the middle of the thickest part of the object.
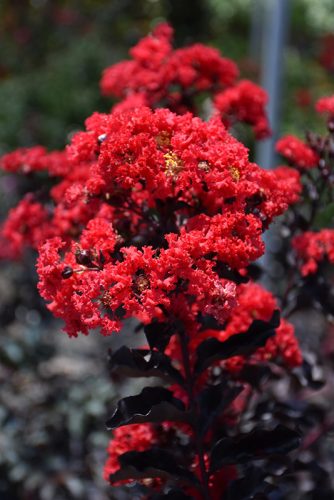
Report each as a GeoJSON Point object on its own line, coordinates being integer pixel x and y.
{"type": "Point", "coordinates": [26, 160]}
{"type": "Point", "coordinates": [296, 152]}
{"type": "Point", "coordinates": [27, 224]}
{"type": "Point", "coordinates": [139, 437]}
{"type": "Point", "coordinates": [254, 302]}
{"type": "Point", "coordinates": [312, 248]}
{"type": "Point", "coordinates": [325, 105]}
{"type": "Point", "coordinates": [172, 196]}
{"type": "Point", "coordinates": [159, 76]}
{"type": "Point", "coordinates": [155, 67]}
{"type": "Point", "coordinates": [32, 222]}
{"type": "Point", "coordinates": [244, 102]}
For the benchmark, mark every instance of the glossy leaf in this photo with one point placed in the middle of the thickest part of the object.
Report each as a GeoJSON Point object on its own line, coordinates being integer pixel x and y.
{"type": "Point", "coordinates": [143, 363]}
{"type": "Point", "coordinates": [153, 404]}
{"type": "Point", "coordinates": [152, 463]}
{"type": "Point", "coordinates": [241, 344]}
{"type": "Point", "coordinates": [253, 446]}
{"type": "Point", "coordinates": [226, 272]}
{"type": "Point", "coordinates": [158, 334]}
{"type": "Point", "coordinates": [213, 400]}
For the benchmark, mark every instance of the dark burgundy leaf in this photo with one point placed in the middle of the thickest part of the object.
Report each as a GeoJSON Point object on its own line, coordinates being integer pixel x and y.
{"type": "Point", "coordinates": [226, 272]}
{"type": "Point", "coordinates": [158, 334]}
{"type": "Point", "coordinates": [240, 344]}
{"type": "Point", "coordinates": [256, 445]}
{"type": "Point", "coordinates": [254, 271]}
{"type": "Point", "coordinates": [153, 404]}
{"type": "Point", "coordinates": [143, 363]}
{"type": "Point", "coordinates": [250, 485]}
{"type": "Point", "coordinates": [255, 375]}
{"type": "Point", "coordinates": [213, 400]}
{"type": "Point", "coordinates": [209, 322]}
{"type": "Point", "coordinates": [152, 463]}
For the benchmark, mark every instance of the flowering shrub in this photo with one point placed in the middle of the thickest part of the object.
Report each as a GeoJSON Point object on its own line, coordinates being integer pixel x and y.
{"type": "Point", "coordinates": [157, 215]}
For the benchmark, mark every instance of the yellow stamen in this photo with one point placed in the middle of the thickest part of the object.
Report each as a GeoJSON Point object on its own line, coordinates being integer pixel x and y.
{"type": "Point", "coordinates": [174, 164]}
{"type": "Point", "coordinates": [235, 173]}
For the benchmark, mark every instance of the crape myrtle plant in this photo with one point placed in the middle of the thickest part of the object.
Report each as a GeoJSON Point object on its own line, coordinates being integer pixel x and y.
{"type": "Point", "coordinates": [153, 213]}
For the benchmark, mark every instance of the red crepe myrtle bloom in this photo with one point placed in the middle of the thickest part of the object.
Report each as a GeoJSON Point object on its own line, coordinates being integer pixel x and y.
{"type": "Point", "coordinates": [159, 76]}
{"type": "Point", "coordinates": [296, 152]}
{"type": "Point", "coordinates": [175, 168]}
{"type": "Point", "coordinates": [312, 248]}
{"type": "Point", "coordinates": [155, 68]}
{"type": "Point", "coordinates": [26, 225]}
{"type": "Point", "coordinates": [26, 160]}
{"type": "Point", "coordinates": [199, 67]}
{"type": "Point", "coordinates": [139, 437]}
{"type": "Point", "coordinates": [160, 155]}
{"type": "Point", "coordinates": [244, 102]}
{"type": "Point", "coordinates": [325, 105]}
{"type": "Point", "coordinates": [254, 302]}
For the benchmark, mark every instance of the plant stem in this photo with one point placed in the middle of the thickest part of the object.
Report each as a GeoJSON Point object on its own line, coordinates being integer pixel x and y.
{"type": "Point", "coordinates": [189, 379]}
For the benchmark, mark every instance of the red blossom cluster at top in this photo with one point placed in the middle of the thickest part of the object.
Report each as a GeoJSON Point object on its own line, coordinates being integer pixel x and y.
{"type": "Point", "coordinates": [312, 248]}
{"type": "Point", "coordinates": [159, 76]}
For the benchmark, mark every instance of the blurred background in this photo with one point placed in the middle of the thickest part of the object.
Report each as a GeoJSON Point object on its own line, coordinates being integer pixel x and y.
{"type": "Point", "coordinates": [56, 392]}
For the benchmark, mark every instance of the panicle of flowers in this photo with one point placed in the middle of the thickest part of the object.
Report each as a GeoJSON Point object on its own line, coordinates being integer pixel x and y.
{"type": "Point", "coordinates": [325, 105]}
{"type": "Point", "coordinates": [297, 152]}
{"type": "Point", "coordinates": [159, 76]}
{"type": "Point", "coordinates": [312, 248]}
{"type": "Point", "coordinates": [35, 159]}
{"type": "Point", "coordinates": [187, 191]}
{"type": "Point", "coordinates": [244, 102]}
{"type": "Point", "coordinates": [254, 302]}
{"type": "Point", "coordinates": [26, 225]}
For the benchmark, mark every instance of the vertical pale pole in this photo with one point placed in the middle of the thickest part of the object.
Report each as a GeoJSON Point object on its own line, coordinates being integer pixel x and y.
{"type": "Point", "coordinates": [274, 32]}
{"type": "Point", "coordinates": [275, 23]}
